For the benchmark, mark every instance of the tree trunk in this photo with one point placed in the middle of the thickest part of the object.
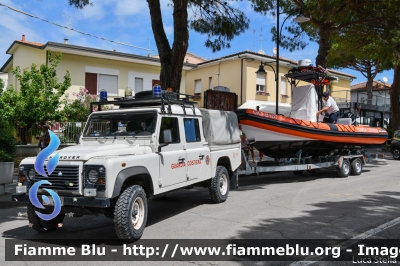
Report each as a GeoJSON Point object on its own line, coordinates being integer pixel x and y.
{"type": "Point", "coordinates": [370, 85]}
{"type": "Point", "coordinates": [324, 45]}
{"type": "Point", "coordinates": [394, 99]}
{"type": "Point", "coordinates": [171, 59]}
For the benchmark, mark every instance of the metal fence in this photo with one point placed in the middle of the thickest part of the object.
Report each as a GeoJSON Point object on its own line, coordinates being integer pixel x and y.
{"type": "Point", "coordinates": [66, 131]}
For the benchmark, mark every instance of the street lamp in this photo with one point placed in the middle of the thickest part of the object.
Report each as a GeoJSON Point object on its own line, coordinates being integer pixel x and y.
{"type": "Point", "coordinates": [299, 19]}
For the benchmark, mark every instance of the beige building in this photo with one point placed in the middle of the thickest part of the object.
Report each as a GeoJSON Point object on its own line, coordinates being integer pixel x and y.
{"type": "Point", "coordinates": [93, 68]}
{"type": "Point", "coordinates": [237, 72]}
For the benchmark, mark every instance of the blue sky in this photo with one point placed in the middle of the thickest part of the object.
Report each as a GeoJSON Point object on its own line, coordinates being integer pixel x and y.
{"type": "Point", "coordinates": [128, 22]}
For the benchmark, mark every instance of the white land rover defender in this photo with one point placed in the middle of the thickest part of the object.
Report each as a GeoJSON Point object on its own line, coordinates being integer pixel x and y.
{"type": "Point", "coordinates": [146, 148]}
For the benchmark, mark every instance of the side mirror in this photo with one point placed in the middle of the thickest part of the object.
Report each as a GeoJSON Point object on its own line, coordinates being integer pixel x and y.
{"type": "Point", "coordinates": [167, 137]}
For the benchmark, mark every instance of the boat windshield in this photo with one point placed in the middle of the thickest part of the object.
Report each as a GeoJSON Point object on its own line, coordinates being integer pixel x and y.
{"type": "Point", "coordinates": [121, 124]}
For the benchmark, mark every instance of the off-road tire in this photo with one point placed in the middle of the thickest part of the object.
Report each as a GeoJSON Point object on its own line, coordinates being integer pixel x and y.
{"type": "Point", "coordinates": [356, 167]}
{"type": "Point", "coordinates": [42, 225]}
{"type": "Point", "coordinates": [344, 171]}
{"type": "Point", "coordinates": [130, 214]}
{"type": "Point", "coordinates": [219, 185]}
{"type": "Point", "coordinates": [396, 153]}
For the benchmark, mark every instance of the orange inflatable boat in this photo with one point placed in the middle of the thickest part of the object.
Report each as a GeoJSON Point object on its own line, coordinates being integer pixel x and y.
{"type": "Point", "coordinates": [278, 136]}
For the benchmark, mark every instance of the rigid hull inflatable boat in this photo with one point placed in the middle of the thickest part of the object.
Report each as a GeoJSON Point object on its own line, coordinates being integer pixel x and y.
{"type": "Point", "coordinates": [279, 136]}
{"type": "Point", "coordinates": [297, 132]}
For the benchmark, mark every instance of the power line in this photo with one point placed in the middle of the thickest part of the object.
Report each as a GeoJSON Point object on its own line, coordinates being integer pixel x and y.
{"type": "Point", "coordinates": [71, 29]}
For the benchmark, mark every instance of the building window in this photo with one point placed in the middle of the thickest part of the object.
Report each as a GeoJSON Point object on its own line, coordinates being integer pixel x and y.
{"type": "Point", "coordinates": [197, 87]}
{"type": "Point", "coordinates": [95, 83]}
{"type": "Point", "coordinates": [138, 84]}
{"type": "Point", "coordinates": [283, 87]}
{"type": "Point", "coordinates": [260, 84]}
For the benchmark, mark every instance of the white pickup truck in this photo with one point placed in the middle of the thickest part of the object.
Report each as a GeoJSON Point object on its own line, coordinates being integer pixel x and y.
{"type": "Point", "coordinates": [144, 149]}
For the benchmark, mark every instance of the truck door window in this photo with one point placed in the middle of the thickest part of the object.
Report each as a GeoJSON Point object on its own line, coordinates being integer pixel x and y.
{"type": "Point", "coordinates": [170, 123]}
{"type": "Point", "coordinates": [192, 129]}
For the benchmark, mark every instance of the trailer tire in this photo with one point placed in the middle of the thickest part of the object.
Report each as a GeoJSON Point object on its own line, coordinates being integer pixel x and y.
{"type": "Point", "coordinates": [130, 215]}
{"type": "Point", "coordinates": [41, 225]}
{"type": "Point", "coordinates": [396, 153]}
{"type": "Point", "coordinates": [345, 169]}
{"type": "Point", "coordinates": [219, 186]}
{"type": "Point", "coordinates": [356, 167]}
{"type": "Point", "coordinates": [298, 172]}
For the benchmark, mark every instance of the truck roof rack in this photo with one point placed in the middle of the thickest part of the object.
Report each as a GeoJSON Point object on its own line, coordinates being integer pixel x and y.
{"type": "Point", "coordinates": [146, 98]}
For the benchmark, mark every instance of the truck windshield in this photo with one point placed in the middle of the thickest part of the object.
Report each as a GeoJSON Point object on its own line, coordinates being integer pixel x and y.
{"type": "Point", "coordinates": [128, 124]}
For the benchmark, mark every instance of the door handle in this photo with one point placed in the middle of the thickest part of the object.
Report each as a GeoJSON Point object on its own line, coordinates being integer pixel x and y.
{"type": "Point", "coordinates": [181, 160]}
{"type": "Point", "coordinates": [201, 157]}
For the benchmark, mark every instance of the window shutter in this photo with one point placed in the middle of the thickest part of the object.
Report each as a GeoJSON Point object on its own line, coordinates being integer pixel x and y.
{"type": "Point", "coordinates": [138, 84]}
{"type": "Point", "coordinates": [197, 88]}
{"type": "Point", "coordinates": [283, 86]}
{"type": "Point", "coordinates": [261, 79]}
{"type": "Point", "coordinates": [108, 83]}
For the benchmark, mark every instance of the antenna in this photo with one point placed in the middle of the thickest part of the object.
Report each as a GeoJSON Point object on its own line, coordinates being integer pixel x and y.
{"type": "Point", "coordinates": [254, 32]}
{"type": "Point", "coordinates": [69, 26]}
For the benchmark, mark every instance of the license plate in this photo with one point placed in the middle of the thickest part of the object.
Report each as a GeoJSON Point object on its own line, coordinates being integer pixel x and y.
{"type": "Point", "coordinates": [51, 201]}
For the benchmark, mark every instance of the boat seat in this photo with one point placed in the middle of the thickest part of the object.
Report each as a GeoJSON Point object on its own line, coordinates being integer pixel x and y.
{"type": "Point", "coordinates": [344, 121]}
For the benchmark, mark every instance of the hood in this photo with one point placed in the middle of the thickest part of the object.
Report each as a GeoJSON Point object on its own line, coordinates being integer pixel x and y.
{"type": "Point", "coordinates": [87, 152]}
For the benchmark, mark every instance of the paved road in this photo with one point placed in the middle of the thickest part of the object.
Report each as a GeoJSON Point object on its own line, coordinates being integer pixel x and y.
{"type": "Point", "coordinates": [272, 206]}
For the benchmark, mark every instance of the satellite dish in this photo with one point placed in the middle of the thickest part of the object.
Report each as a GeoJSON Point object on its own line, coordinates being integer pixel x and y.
{"type": "Point", "coordinates": [385, 79]}
{"type": "Point", "coordinates": [275, 50]}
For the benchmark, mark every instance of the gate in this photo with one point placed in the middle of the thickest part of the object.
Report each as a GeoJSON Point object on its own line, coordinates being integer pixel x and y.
{"type": "Point", "coordinates": [220, 100]}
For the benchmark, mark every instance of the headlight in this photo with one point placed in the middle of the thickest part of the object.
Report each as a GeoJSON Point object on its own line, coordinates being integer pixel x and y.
{"type": "Point", "coordinates": [93, 176]}
{"type": "Point", "coordinates": [31, 173]}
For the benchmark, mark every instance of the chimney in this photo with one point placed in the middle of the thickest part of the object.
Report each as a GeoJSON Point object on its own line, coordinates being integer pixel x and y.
{"type": "Point", "coordinates": [66, 41]}
{"type": "Point", "coordinates": [23, 37]}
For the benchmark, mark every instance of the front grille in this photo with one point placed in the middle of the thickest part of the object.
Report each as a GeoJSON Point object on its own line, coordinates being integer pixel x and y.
{"type": "Point", "coordinates": [64, 177]}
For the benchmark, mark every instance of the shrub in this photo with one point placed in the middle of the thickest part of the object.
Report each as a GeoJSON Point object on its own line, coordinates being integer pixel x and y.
{"type": "Point", "coordinates": [8, 142]}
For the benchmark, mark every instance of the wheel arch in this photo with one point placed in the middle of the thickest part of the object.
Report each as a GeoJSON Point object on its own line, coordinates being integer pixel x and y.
{"type": "Point", "coordinates": [225, 162]}
{"type": "Point", "coordinates": [137, 175]}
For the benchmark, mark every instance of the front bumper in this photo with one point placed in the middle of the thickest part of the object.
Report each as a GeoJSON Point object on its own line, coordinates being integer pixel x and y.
{"type": "Point", "coordinates": [69, 201]}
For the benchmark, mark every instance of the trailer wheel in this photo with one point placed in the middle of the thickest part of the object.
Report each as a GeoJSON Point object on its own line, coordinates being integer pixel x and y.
{"type": "Point", "coordinates": [219, 187]}
{"type": "Point", "coordinates": [130, 215]}
{"type": "Point", "coordinates": [345, 169]}
{"type": "Point", "coordinates": [396, 153]}
{"type": "Point", "coordinates": [41, 225]}
{"type": "Point", "coordinates": [356, 167]}
{"type": "Point", "coordinates": [298, 172]}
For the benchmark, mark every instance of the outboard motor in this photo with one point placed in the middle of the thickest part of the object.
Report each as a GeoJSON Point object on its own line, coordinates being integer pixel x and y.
{"type": "Point", "coordinates": [350, 115]}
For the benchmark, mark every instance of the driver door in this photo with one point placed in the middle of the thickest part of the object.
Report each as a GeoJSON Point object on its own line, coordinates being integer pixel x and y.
{"type": "Point", "coordinates": [172, 158]}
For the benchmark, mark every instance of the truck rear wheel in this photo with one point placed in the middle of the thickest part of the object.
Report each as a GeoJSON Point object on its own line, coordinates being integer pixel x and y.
{"type": "Point", "coordinates": [41, 225]}
{"type": "Point", "coordinates": [219, 187]}
{"type": "Point", "coordinates": [130, 215]}
{"type": "Point", "coordinates": [356, 167]}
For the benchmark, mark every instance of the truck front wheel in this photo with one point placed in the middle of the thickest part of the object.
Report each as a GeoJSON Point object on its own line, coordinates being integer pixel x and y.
{"type": "Point", "coordinates": [130, 215]}
{"type": "Point", "coordinates": [41, 225]}
{"type": "Point", "coordinates": [219, 187]}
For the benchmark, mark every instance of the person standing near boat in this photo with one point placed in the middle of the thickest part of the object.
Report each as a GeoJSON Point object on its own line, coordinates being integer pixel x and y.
{"type": "Point", "coordinates": [330, 107]}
